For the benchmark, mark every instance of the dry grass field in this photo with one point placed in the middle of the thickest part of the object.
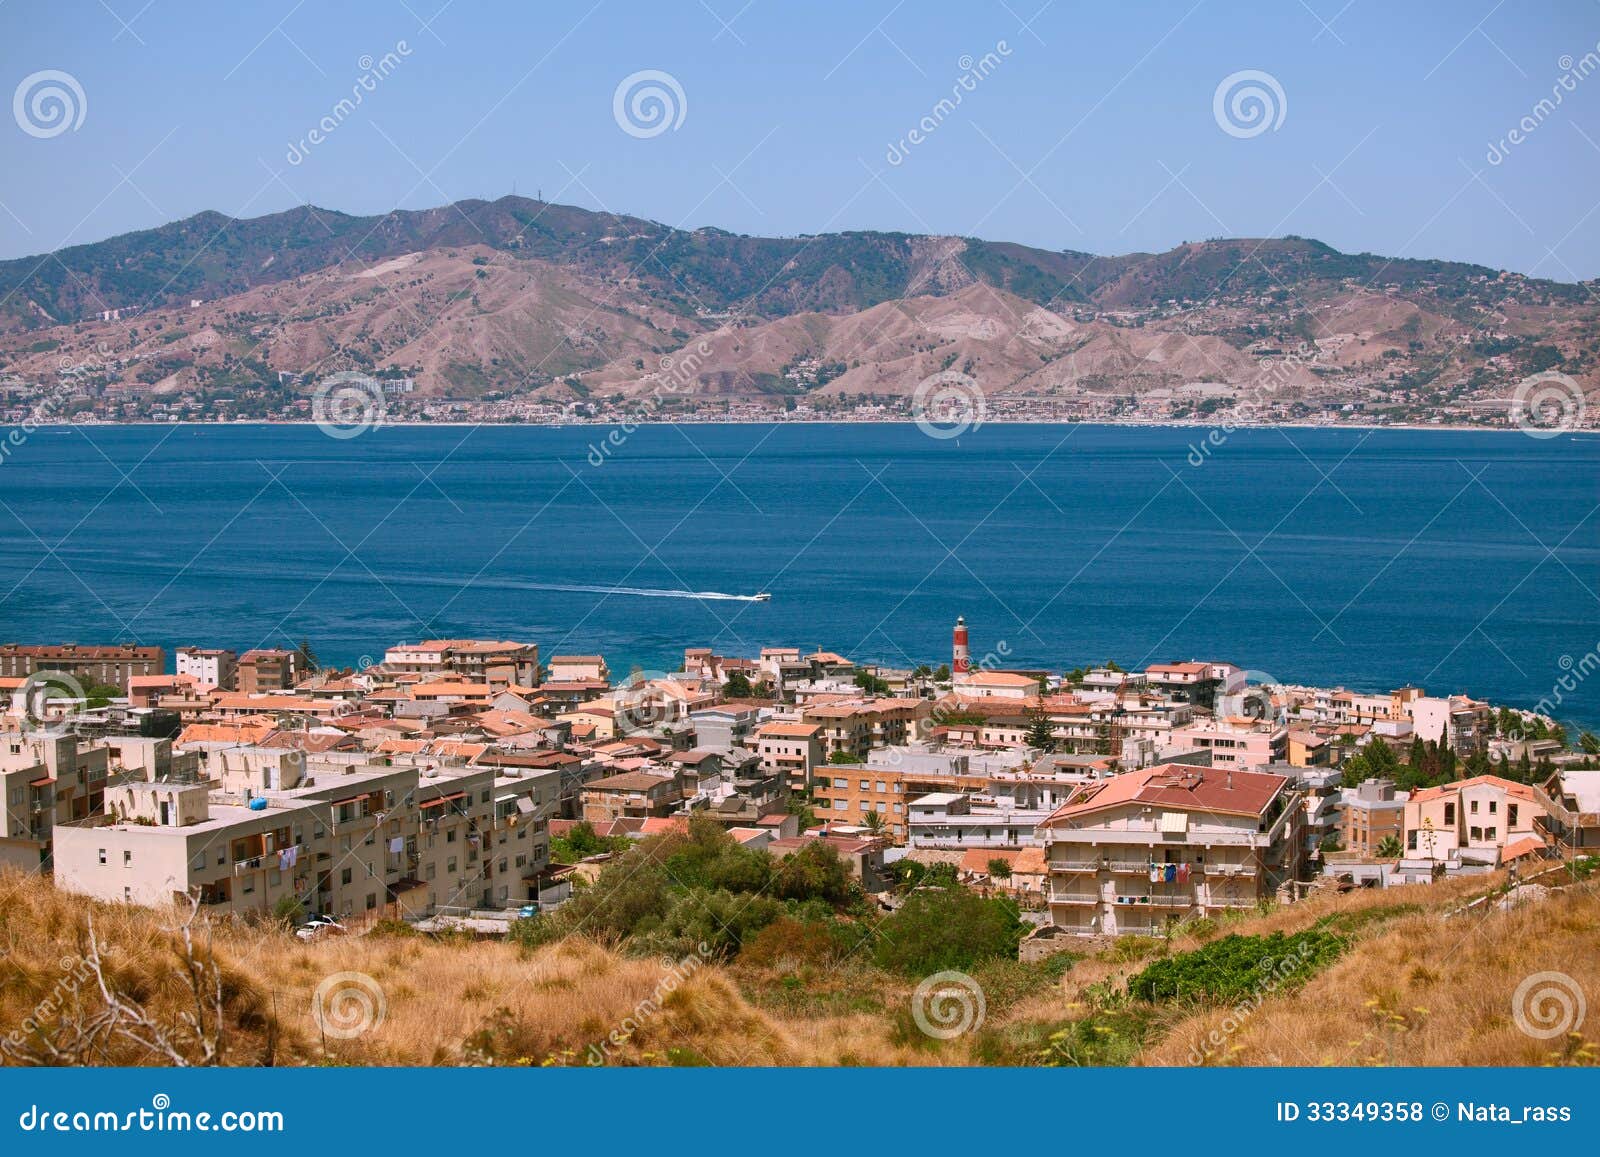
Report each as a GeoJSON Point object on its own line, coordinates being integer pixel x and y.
{"type": "Point", "coordinates": [1414, 985]}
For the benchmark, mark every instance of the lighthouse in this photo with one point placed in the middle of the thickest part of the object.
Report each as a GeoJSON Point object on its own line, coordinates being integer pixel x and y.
{"type": "Point", "coordinates": [959, 663]}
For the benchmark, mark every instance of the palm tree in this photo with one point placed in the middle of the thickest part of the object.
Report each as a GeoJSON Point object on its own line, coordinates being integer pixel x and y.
{"type": "Point", "coordinates": [1389, 847]}
{"type": "Point", "coordinates": [875, 823]}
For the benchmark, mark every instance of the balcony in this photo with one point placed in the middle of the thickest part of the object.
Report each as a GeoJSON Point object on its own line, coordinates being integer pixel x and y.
{"type": "Point", "coordinates": [1079, 899]}
{"type": "Point", "coordinates": [1075, 865]}
{"type": "Point", "coordinates": [1143, 900]}
{"type": "Point", "coordinates": [1231, 870]}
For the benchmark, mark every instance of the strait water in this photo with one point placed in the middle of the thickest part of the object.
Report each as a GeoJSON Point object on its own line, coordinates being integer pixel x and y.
{"type": "Point", "coordinates": [1461, 561]}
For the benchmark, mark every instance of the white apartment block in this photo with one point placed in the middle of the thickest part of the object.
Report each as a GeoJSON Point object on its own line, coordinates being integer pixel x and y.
{"type": "Point", "coordinates": [1131, 853]}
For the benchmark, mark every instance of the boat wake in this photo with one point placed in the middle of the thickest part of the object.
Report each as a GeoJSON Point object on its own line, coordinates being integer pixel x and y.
{"type": "Point", "coordinates": [345, 575]}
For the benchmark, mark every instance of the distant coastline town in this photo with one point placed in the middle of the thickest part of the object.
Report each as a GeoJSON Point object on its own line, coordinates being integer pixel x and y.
{"type": "Point", "coordinates": [1203, 406]}
{"type": "Point", "coordinates": [468, 782]}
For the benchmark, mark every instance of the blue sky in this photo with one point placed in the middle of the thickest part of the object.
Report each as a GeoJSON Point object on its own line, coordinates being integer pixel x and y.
{"type": "Point", "coordinates": [1093, 129]}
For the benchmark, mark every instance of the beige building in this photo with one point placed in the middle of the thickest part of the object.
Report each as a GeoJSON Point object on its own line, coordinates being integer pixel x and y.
{"type": "Point", "coordinates": [345, 838]}
{"type": "Point", "coordinates": [1134, 852]}
{"type": "Point", "coordinates": [108, 666]}
{"type": "Point", "coordinates": [793, 750]}
{"type": "Point", "coordinates": [1482, 820]}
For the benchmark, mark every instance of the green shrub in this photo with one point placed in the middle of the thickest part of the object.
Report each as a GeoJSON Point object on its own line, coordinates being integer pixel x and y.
{"type": "Point", "coordinates": [1236, 966]}
{"type": "Point", "coordinates": [944, 928]}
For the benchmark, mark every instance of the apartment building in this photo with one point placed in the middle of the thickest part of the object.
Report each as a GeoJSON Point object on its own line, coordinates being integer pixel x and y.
{"type": "Point", "coordinates": [791, 749]}
{"type": "Point", "coordinates": [45, 781]}
{"type": "Point", "coordinates": [1457, 722]}
{"type": "Point", "coordinates": [578, 669]}
{"type": "Point", "coordinates": [857, 726]}
{"type": "Point", "coordinates": [1233, 742]}
{"type": "Point", "coordinates": [1131, 853]}
{"type": "Point", "coordinates": [631, 794]}
{"type": "Point", "coordinates": [1200, 684]}
{"type": "Point", "coordinates": [1570, 801]}
{"type": "Point", "coordinates": [346, 839]}
{"type": "Point", "coordinates": [110, 666]}
{"type": "Point", "coordinates": [892, 778]}
{"type": "Point", "coordinates": [267, 669]}
{"type": "Point", "coordinates": [209, 667]}
{"type": "Point", "coordinates": [994, 685]}
{"type": "Point", "coordinates": [1483, 821]}
{"type": "Point", "coordinates": [498, 663]}
{"type": "Point", "coordinates": [957, 821]}
{"type": "Point", "coordinates": [1371, 812]}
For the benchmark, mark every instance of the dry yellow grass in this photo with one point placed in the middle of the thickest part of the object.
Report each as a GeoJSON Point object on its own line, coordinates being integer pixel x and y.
{"type": "Point", "coordinates": [1426, 989]}
{"type": "Point", "coordinates": [1417, 988]}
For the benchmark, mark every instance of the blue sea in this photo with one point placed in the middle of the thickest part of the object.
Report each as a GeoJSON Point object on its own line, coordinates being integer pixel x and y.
{"type": "Point", "coordinates": [1461, 561]}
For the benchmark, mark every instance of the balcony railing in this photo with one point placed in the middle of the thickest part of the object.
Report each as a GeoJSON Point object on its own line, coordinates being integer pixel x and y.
{"type": "Point", "coordinates": [1081, 898]}
{"type": "Point", "coordinates": [1230, 869]}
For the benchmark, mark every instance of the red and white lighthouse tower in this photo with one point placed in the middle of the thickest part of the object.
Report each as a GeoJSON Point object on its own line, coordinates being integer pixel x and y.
{"type": "Point", "coordinates": [960, 664]}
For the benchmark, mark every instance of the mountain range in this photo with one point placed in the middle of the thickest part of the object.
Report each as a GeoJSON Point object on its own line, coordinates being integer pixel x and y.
{"type": "Point", "coordinates": [516, 297]}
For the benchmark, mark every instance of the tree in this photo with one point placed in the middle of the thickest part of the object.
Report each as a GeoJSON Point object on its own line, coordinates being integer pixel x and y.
{"type": "Point", "coordinates": [871, 683]}
{"type": "Point", "coordinates": [874, 822]}
{"type": "Point", "coordinates": [306, 659]}
{"type": "Point", "coordinates": [843, 756]}
{"type": "Point", "coordinates": [1589, 743]}
{"type": "Point", "coordinates": [941, 928]}
{"type": "Point", "coordinates": [1040, 732]}
{"type": "Point", "coordinates": [942, 675]}
{"type": "Point", "coordinates": [737, 686]}
{"type": "Point", "coordinates": [999, 869]}
{"type": "Point", "coordinates": [1388, 847]}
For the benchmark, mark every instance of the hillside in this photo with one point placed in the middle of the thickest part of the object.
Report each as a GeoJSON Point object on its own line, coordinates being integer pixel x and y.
{"type": "Point", "coordinates": [523, 299]}
{"type": "Point", "coordinates": [1413, 986]}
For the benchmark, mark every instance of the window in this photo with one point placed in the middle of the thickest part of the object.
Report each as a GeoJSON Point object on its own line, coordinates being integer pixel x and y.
{"type": "Point", "coordinates": [1473, 807]}
{"type": "Point", "coordinates": [1450, 814]}
{"type": "Point", "coordinates": [841, 784]}
{"type": "Point", "coordinates": [372, 901]}
{"type": "Point", "coordinates": [1488, 833]}
{"type": "Point", "coordinates": [127, 858]}
{"type": "Point", "coordinates": [344, 876]}
{"type": "Point", "coordinates": [1411, 839]}
{"type": "Point", "coordinates": [881, 787]}
{"type": "Point", "coordinates": [1511, 815]}
{"type": "Point", "coordinates": [1475, 834]}
{"type": "Point", "coordinates": [1494, 806]}
{"type": "Point", "coordinates": [102, 855]}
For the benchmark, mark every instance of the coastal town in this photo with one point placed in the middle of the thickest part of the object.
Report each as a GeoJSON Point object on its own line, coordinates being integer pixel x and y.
{"type": "Point", "coordinates": [475, 783]}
